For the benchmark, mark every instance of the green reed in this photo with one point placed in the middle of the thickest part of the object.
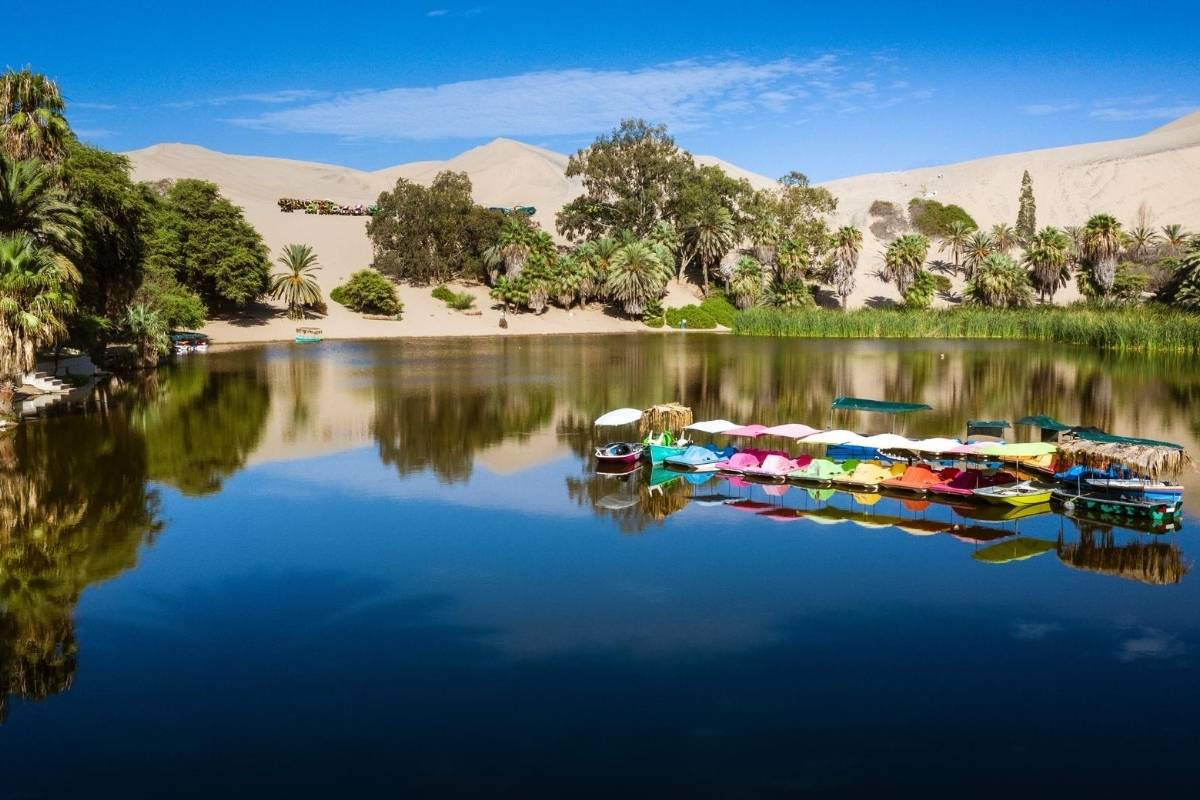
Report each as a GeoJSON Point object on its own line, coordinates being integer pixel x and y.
{"type": "Point", "coordinates": [1142, 329]}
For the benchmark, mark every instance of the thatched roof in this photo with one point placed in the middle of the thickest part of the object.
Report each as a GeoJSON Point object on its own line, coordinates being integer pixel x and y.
{"type": "Point", "coordinates": [1155, 563]}
{"type": "Point", "coordinates": [1152, 460]}
{"type": "Point", "coordinates": [672, 417]}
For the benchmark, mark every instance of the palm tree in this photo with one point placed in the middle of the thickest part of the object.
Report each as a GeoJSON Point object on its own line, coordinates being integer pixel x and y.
{"type": "Point", "coordinates": [1174, 238]}
{"type": "Point", "coordinates": [1004, 238]}
{"type": "Point", "coordinates": [32, 204]}
{"type": "Point", "coordinates": [903, 259]}
{"type": "Point", "coordinates": [708, 235]}
{"type": "Point", "coordinates": [847, 244]}
{"type": "Point", "coordinates": [636, 277]}
{"type": "Point", "coordinates": [664, 234]}
{"type": "Point", "coordinates": [566, 279]}
{"type": "Point", "coordinates": [956, 235]}
{"type": "Point", "coordinates": [999, 282]}
{"type": "Point", "coordinates": [1048, 259]}
{"type": "Point", "coordinates": [296, 285]}
{"type": "Point", "coordinates": [1101, 246]}
{"type": "Point", "coordinates": [1183, 289]}
{"type": "Point", "coordinates": [36, 299]}
{"type": "Point", "coordinates": [31, 116]}
{"type": "Point", "coordinates": [748, 282]}
{"type": "Point", "coordinates": [1140, 241]}
{"type": "Point", "coordinates": [148, 331]}
{"type": "Point", "coordinates": [979, 246]}
{"type": "Point", "coordinates": [516, 241]}
{"type": "Point", "coordinates": [791, 261]}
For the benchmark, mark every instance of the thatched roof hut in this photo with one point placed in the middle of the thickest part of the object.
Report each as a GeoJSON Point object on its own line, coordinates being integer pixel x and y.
{"type": "Point", "coordinates": [673, 417]}
{"type": "Point", "coordinates": [1142, 456]}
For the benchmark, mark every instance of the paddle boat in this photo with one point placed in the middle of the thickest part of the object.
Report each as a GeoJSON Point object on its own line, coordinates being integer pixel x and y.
{"type": "Point", "coordinates": [1025, 493]}
{"type": "Point", "coordinates": [866, 475]}
{"type": "Point", "coordinates": [739, 461]}
{"type": "Point", "coordinates": [1151, 490]}
{"type": "Point", "coordinates": [820, 471]}
{"type": "Point", "coordinates": [660, 447]}
{"type": "Point", "coordinates": [773, 469]}
{"type": "Point", "coordinates": [966, 482]}
{"type": "Point", "coordinates": [699, 459]}
{"type": "Point", "coordinates": [308, 335]}
{"type": "Point", "coordinates": [917, 479]}
{"type": "Point", "coordinates": [619, 453]}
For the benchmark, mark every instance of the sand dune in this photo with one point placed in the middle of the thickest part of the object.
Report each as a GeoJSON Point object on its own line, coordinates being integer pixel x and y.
{"type": "Point", "coordinates": [1159, 169]}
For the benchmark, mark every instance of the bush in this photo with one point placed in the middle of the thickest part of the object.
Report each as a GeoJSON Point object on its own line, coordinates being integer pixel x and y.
{"type": "Point", "coordinates": [368, 292]}
{"type": "Point", "coordinates": [919, 294]}
{"type": "Point", "coordinates": [442, 293]}
{"type": "Point", "coordinates": [889, 221]}
{"type": "Point", "coordinates": [932, 218]}
{"type": "Point", "coordinates": [692, 316]}
{"type": "Point", "coordinates": [654, 315]}
{"type": "Point", "coordinates": [718, 307]}
{"type": "Point", "coordinates": [1129, 282]}
{"type": "Point", "coordinates": [459, 301]}
{"type": "Point", "coordinates": [941, 283]}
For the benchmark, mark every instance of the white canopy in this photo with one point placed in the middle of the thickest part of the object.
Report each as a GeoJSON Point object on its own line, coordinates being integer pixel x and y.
{"type": "Point", "coordinates": [621, 416]}
{"type": "Point", "coordinates": [887, 441]}
{"type": "Point", "coordinates": [935, 445]}
{"type": "Point", "coordinates": [833, 437]}
{"type": "Point", "coordinates": [713, 426]}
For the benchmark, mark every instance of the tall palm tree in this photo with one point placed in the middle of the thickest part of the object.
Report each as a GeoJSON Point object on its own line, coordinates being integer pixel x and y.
{"type": "Point", "coordinates": [516, 241]}
{"type": "Point", "coordinates": [1174, 238]}
{"type": "Point", "coordinates": [999, 282]}
{"type": "Point", "coordinates": [847, 244]}
{"type": "Point", "coordinates": [1101, 247]}
{"type": "Point", "coordinates": [31, 116]}
{"type": "Point", "coordinates": [1048, 259]}
{"type": "Point", "coordinates": [148, 331]}
{"type": "Point", "coordinates": [979, 246]}
{"type": "Point", "coordinates": [1004, 237]}
{"type": "Point", "coordinates": [32, 204]}
{"type": "Point", "coordinates": [791, 261]}
{"type": "Point", "coordinates": [708, 235]}
{"type": "Point", "coordinates": [955, 238]}
{"type": "Point", "coordinates": [748, 282]}
{"type": "Point", "coordinates": [636, 277]}
{"type": "Point", "coordinates": [1141, 241]}
{"type": "Point", "coordinates": [296, 285]}
{"type": "Point", "coordinates": [36, 300]}
{"type": "Point", "coordinates": [664, 234]}
{"type": "Point", "coordinates": [903, 259]}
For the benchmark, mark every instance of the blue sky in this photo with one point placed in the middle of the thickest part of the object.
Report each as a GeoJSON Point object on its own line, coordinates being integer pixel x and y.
{"type": "Point", "coordinates": [831, 89]}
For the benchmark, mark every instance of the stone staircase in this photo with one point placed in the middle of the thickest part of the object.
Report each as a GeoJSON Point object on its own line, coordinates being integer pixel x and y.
{"type": "Point", "coordinates": [52, 391]}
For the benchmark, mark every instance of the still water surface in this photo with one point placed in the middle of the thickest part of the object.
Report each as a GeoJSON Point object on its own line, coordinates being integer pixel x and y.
{"type": "Point", "coordinates": [359, 565]}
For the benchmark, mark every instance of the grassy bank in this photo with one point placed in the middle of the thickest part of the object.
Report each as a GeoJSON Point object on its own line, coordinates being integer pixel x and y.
{"type": "Point", "coordinates": [1136, 329]}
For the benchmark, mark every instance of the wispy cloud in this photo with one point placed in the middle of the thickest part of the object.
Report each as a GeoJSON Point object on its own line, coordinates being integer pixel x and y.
{"type": "Point", "coordinates": [276, 98]}
{"type": "Point", "coordinates": [77, 104]}
{"type": "Point", "coordinates": [92, 134]}
{"type": "Point", "coordinates": [1045, 109]}
{"type": "Point", "coordinates": [446, 12]}
{"type": "Point", "coordinates": [437, 12]}
{"type": "Point", "coordinates": [1118, 114]}
{"type": "Point", "coordinates": [686, 95]}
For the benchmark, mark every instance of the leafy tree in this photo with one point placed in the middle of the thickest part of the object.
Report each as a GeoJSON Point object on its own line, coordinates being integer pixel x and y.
{"type": "Point", "coordinates": [903, 259]}
{"type": "Point", "coordinates": [933, 218]}
{"type": "Point", "coordinates": [1101, 247]}
{"type": "Point", "coordinates": [1183, 288]}
{"type": "Point", "coordinates": [847, 244]}
{"type": "Point", "coordinates": [955, 237]}
{"type": "Point", "coordinates": [32, 203]}
{"type": "Point", "coordinates": [148, 332]}
{"type": "Point", "coordinates": [792, 294]}
{"type": "Point", "coordinates": [1048, 259]}
{"type": "Point", "coordinates": [297, 285]}
{"type": "Point", "coordinates": [637, 277]}
{"type": "Point", "coordinates": [176, 304]}
{"type": "Point", "coordinates": [1026, 210]}
{"type": "Point", "coordinates": [113, 218]}
{"type": "Point", "coordinates": [31, 116]}
{"type": "Point", "coordinates": [999, 282]}
{"type": "Point", "coordinates": [666, 235]}
{"type": "Point", "coordinates": [748, 282]}
{"type": "Point", "coordinates": [36, 300]}
{"type": "Point", "coordinates": [919, 295]}
{"type": "Point", "coordinates": [206, 242]}
{"type": "Point", "coordinates": [432, 234]}
{"type": "Point", "coordinates": [367, 291]}
{"type": "Point", "coordinates": [630, 178]}
{"type": "Point", "coordinates": [708, 235]}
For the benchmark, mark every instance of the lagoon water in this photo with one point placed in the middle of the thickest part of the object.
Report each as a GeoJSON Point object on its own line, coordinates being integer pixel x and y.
{"type": "Point", "coordinates": [287, 570]}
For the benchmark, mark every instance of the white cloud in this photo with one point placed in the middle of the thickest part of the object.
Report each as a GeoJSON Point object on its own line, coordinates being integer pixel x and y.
{"type": "Point", "coordinates": [92, 134]}
{"type": "Point", "coordinates": [1140, 112]}
{"type": "Point", "coordinates": [76, 104]}
{"type": "Point", "coordinates": [437, 12]}
{"type": "Point", "coordinates": [276, 98]}
{"type": "Point", "coordinates": [1044, 109]}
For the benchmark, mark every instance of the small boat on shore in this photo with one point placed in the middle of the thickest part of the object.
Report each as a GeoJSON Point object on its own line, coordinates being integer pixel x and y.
{"type": "Point", "coordinates": [619, 453]}
{"type": "Point", "coordinates": [1024, 493]}
{"type": "Point", "coordinates": [305, 335]}
{"type": "Point", "coordinates": [1149, 489]}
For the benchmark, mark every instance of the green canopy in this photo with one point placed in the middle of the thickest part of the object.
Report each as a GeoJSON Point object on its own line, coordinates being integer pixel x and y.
{"type": "Point", "coordinates": [882, 406]}
{"type": "Point", "coordinates": [1093, 435]}
{"type": "Point", "coordinates": [1045, 423]}
{"type": "Point", "coordinates": [1017, 549]}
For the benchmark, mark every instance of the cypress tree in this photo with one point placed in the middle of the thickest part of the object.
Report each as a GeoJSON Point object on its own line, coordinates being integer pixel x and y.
{"type": "Point", "coordinates": [1027, 211]}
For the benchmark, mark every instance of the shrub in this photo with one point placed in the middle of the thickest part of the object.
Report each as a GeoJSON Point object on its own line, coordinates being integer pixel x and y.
{"type": "Point", "coordinates": [654, 315]}
{"type": "Point", "coordinates": [368, 292]}
{"type": "Point", "coordinates": [932, 218]}
{"type": "Point", "coordinates": [919, 294]}
{"type": "Point", "coordinates": [459, 301]}
{"type": "Point", "coordinates": [717, 306]}
{"type": "Point", "coordinates": [889, 221]}
{"type": "Point", "coordinates": [999, 282]}
{"type": "Point", "coordinates": [693, 316]}
{"type": "Point", "coordinates": [941, 283]}
{"type": "Point", "coordinates": [1129, 282]}
{"type": "Point", "coordinates": [442, 293]}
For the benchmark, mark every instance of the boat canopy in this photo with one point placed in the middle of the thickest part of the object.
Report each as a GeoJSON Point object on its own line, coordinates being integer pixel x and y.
{"type": "Point", "coordinates": [621, 416]}
{"type": "Point", "coordinates": [1096, 435]}
{"type": "Point", "coordinates": [748, 431]}
{"type": "Point", "coordinates": [1045, 423]}
{"type": "Point", "coordinates": [791, 430]}
{"type": "Point", "coordinates": [713, 426]}
{"type": "Point", "coordinates": [935, 445]}
{"type": "Point", "coordinates": [885, 441]}
{"type": "Point", "coordinates": [880, 406]}
{"type": "Point", "coordinates": [831, 437]}
{"type": "Point", "coordinates": [1017, 450]}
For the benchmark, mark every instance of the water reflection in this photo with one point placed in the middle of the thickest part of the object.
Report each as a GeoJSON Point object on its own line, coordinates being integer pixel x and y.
{"type": "Point", "coordinates": [512, 419]}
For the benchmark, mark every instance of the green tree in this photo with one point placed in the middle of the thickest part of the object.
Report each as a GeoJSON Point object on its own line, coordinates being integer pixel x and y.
{"type": "Point", "coordinates": [748, 282]}
{"type": "Point", "coordinates": [36, 300]}
{"type": "Point", "coordinates": [955, 237]}
{"type": "Point", "coordinates": [176, 304]}
{"type": "Point", "coordinates": [1174, 238]}
{"type": "Point", "coordinates": [1026, 210]}
{"type": "Point", "coordinates": [1183, 288]}
{"type": "Point", "coordinates": [903, 259]}
{"type": "Point", "coordinates": [370, 292]}
{"type": "Point", "coordinates": [1101, 248]}
{"type": "Point", "coordinates": [1048, 258]}
{"type": "Point", "coordinates": [999, 282]}
{"type": "Point", "coordinates": [207, 243]}
{"type": "Point", "coordinates": [931, 217]}
{"type": "Point", "coordinates": [31, 116]}
{"type": "Point", "coordinates": [630, 179]}
{"type": "Point", "coordinates": [979, 246]}
{"type": "Point", "coordinates": [708, 236]}
{"type": "Point", "coordinates": [1141, 241]}
{"type": "Point", "coordinates": [32, 203]}
{"type": "Point", "coordinates": [1004, 238]}
{"type": "Point", "coordinates": [432, 234]}
{"type": "Point", "coordinates": [297, 284]}
{"type": "Point", "coordinates": [919, 295]}
{"type": "Point", "coordinates": [847, 245]}
{"type": "Point", "coordinates": [636, 277]}
{"type": "Point", "coordinates": [148, 332]}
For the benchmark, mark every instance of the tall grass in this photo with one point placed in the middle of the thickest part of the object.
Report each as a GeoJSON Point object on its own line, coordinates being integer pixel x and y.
{"type": "Point", "coordinates": [1141, 329]}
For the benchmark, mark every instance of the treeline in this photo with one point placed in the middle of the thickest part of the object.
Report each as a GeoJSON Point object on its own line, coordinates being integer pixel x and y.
{"type": "Point", "coordinates": [88, 256]}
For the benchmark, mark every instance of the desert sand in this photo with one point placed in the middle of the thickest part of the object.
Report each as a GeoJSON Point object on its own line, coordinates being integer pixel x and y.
{"type": "Point", "coordinates": [1159, 169]}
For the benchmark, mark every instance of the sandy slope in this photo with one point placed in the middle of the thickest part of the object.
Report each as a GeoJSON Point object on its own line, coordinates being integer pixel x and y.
{"type": "Point", "coordinates": [1160, 168]}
